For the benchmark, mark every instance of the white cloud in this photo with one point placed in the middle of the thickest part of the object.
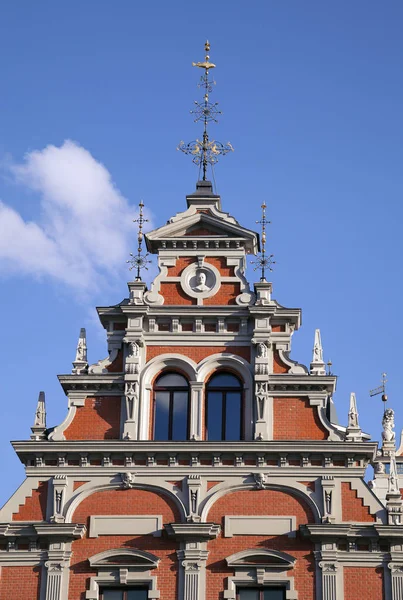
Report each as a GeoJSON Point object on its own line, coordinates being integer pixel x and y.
{"type": "Point", "coordinates": [84, 232]}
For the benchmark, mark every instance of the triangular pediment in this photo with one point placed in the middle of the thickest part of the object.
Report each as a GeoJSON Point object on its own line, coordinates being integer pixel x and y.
{"type": "Point", "coordinates": [195, 224]}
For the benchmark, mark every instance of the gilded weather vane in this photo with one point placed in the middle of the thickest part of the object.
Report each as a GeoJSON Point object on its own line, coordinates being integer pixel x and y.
{"type": "Point", "coordinates": [381, 390]}
{"type": "Point", "coordinates": [263, 261]}
{"type": "Point", "coordinates": [139, 261]}
{"type": "Point", "coordinates": [205, 152]}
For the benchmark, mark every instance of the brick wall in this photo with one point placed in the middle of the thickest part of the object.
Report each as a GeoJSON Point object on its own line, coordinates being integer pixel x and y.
{"type": "Point", "coordinates": [34, 507]}
{"type": "Point", "coordinates": [278, 365]}
{"type": "Point", "coordinates": [125, 502]}
{"type": "Point", "coordinates": [294, 419]}
{"type": "Point", "coordinates": [98, 419]}
{"type": "Point", "coordinates": [198, 353]}
{"type": "Point", "coordinates": [226, 295]}
{"type": "Point", "coordinates": [353, 508]}
{"type": "Point", "coordinates": [117, 365]}
{"type": "Point", "coordinates": [363, 583]}
{"type": "Point", "coordinates": [260, 502]}
{"type": "Point", "coordinates": [20, 583]}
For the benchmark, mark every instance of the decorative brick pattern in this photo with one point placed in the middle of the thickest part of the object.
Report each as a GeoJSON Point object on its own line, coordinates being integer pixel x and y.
{"type": "Point", "coordinates": [353, 508]}
{"type": "Point", "coordinates": [34, 507]}
{"type": "Point", "coordinates": [260, 502]}
{"type": "Point", "coordinates": [363, 582]}
{"type": "Point", "coordinates": [198, 353]}
{"type": "Point", "coordinates": [98, 419]}
{"type": "Point", "coordinates": [225, 296]}
{"type": "Point", "coordinates": [125, 502]}
{"type": "Point", "coordinates": [20, 583]}
{"type": "Point", "coordinates": [294, 419]}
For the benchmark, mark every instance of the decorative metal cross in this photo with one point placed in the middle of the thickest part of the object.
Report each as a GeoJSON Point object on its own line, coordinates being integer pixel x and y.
{"type": "Point", "coordinates": [381, 390]}
{"type": "Point", "coordinates": [263, 261]}
{"type": "Point", "coordinates": [205, 152]}
{"type": "Point", "coordinates": [139, 261]}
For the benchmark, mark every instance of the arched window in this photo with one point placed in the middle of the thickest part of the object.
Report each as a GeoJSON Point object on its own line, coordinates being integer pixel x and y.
{"type": "Point", "coordinates": [224, 407]}
{"type": "Point", "coordinates": [171, 407]}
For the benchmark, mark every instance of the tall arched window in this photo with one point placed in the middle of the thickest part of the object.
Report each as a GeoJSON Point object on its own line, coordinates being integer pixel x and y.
{"type": "Point", "coordinates": [171, 407]}
{"type": "Point", "coordinates": [224, 407]}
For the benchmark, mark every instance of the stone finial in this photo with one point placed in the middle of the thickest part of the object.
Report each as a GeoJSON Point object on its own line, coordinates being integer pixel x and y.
{"type": "Point", "coordinates": [353, 431]}
{"type": "Point", "coordinates": [39, 426]}
{"type": "Point", "coordinates": [80, 365]}
{"type": "Point", "coordinates": [317, 364]}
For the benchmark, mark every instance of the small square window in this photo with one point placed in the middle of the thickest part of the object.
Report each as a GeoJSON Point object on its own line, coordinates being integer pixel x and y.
{"type": "Point", "coordinates": [261, 593]}
{"type": "Point", "coordinates": [132, 593]}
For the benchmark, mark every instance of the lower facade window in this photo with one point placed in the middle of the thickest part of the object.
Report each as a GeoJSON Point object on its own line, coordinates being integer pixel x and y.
{"type": "Point", "coordinates": [261, 593]}
{"type": "Point", "coordinates": [131, 593]}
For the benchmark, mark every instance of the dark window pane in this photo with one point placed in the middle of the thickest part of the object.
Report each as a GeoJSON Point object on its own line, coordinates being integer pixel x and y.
{"type": "Point", "coordinates": [140, 594]}
{"type": "Point", "coordinates": [274, 594]}
{"type": "Point", "coordinates": [171, 380]}
{"type": "Point", "coordinates": [214, 419]}
{"type": "Point", "coordinates": [224, 380]}
{"type": "Point", "coordinates": [249, 594]}
{"type": "Point", "coordinates": [161, 416]}
{"type": "Point", "coordinates": [112, 595]}
{"type": "Point", "coordinates": [180, 416]}
{"type": "Point", "coordinates": [233, 416]}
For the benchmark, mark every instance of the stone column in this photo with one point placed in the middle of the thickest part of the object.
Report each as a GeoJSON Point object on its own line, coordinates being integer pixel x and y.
{"type": "Point", "coordinates": [54, 580]}
{"type": "Point", "coordinates": [192, 574]}
{"type": "Point", "coordinates": [196, 410]}
{"type": "Point", "coordinates": [329, 580]}
{"type": "Point", "coordinates": [396, 571]}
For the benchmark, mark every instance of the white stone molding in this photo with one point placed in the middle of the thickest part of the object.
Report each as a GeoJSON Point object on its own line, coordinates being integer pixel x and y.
{"type": "Point", "coordinates": [56, 572]}
{"type": "Point", "coordinates": [318, 366]}
{"type": "Point", "coordinates": [100, 367]}
{"type": "Point", "coordinates": [388, 435]}
{"type": "Point", "coordinates": [59, 485]}
{"type": "Point", "coordinates": [194, 486]}
{"type": "Point", "coordinates": [98, 484]}
{"type": "Point", "coordinates": [147, 376]}
{"type": "Point", "coordinates": [331, 587]}
{"type": "Point", "coordinates": [125, 525]}
{"type": "Point", "coordinates": [295, 368]}
{"type": "Point", "coordinates": [263, 291]}
{"type": "Point", "coordinates": [394, 504]}
{"type": "Point", "coordinates": [20, 495]}
{"type": "Point", "coordinates": [196, 427]}
{"type": "Point", "coordinates": [192, 572]}
{"type": "Point", "coordinates": [287, 485]}
{"type": "Point", "coordinates": [259, 525]}
{"type": "Point", "coordinates": [396, 575]}
{"type": "Point", "coordinates": [260, 567]}
{"type": "Point", "coordinates": [369, 498]}
{"type": "Point", "coordinates": [246, 297]}
{"type": "Point", "coordinates": [130, 567]}
{"type": "Point", "coordinates": [189, 283]}
{"type": "Point", "coordinates": [153, 297]}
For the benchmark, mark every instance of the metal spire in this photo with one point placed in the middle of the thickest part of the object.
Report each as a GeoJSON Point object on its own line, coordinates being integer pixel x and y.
{"type": "Point", "coordinates": [381, 390]}
{"type": "Point", "coordinates": [141, 260]}
{"type": "Point", "coordinates": [39, 426]}
{"type": "Point", "coordinates": [262, 261]}
{"type": "Point", "coordinates": [205, 152]}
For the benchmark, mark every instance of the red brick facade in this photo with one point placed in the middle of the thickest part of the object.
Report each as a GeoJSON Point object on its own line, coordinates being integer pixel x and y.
{"type": "Point", "coordinates": [98, 419]}
{"type": "Point", "coordinates": [34, 507]}
{"type": "Point", "coordinates": [294, 419]}
{"type": "Point", "coordinates": [353, 507]}
{"type": "Point", "coordinates": [364, 582]}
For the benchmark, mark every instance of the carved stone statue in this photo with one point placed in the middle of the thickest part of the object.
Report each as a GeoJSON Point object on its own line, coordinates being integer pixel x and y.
{"type": "Point", "coordinates": [380, 468]}
{"type": "Point", "coordinates": [133, 349]}
{"type": "Point", "coordinates": [262, 350]}
{"type": "Point", "coordinates": [201, 282]}
{"type": "Point", "coordinates": [388, 423]}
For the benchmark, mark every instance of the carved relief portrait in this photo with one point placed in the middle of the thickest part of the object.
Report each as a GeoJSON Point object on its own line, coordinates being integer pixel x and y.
{"type": "Point", "coordinates": [200, 280]}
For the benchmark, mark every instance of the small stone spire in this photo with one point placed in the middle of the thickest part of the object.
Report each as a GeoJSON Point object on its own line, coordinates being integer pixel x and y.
{"type": "Point", "coordinates": [394, 504]}
{"type": "Point", "coordinates": [39, 426]}
{"type": "Point", "coordinates": [317, 365]}
{"type": "Point", "coordinates": [353, 431]}
{"type": "Point", "coordinates": [388, 435]}
{"type": "Point", "coordinates": [80, 365]}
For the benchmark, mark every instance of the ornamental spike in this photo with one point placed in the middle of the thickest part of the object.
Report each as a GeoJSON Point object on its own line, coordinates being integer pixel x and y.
{"type": "Point", "coordinates": [80, 365]}
{"type": "Point", "coordinates": [141, 260]}
{"type": "Point", "coordinates": [317, 364]}
{"type": "Point", "coordinates": [39, 426]}
{"type": "Point", "coordinates": [263, 261]}
{"type": "Point", "coordinates": [353, 431]}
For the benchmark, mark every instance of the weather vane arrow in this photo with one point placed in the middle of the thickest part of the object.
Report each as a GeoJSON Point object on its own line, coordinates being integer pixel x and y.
{"type": "Point", "coordinates": [139, 261]}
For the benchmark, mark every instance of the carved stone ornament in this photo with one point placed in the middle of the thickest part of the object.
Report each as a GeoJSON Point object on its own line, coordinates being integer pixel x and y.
{"type": "Point", "coordinates": [200, 280]}
{"type": "Point", "coordinates": [260, 480]}
{"type": "Point", "coordinates": [388, 424]}
{"type": "Point", "coordinates": [128, 480]}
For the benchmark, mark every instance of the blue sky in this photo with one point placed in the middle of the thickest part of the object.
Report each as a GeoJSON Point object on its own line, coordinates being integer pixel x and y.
{"type": "Point", "coordinates": [312, 96]}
